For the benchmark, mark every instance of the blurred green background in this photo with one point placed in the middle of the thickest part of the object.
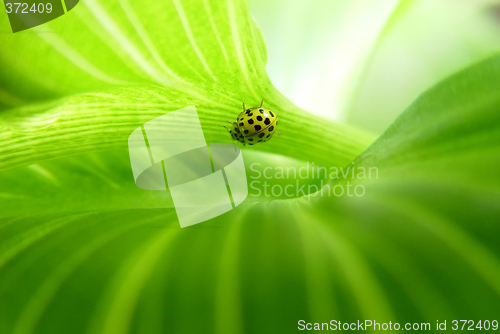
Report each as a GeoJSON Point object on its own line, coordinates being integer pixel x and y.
{"type": "Point", "coordinates": [363, 62]}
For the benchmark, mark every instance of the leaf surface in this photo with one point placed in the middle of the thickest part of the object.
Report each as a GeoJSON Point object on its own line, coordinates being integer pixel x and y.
{"type": "Point", "coordinates": [82, 250]}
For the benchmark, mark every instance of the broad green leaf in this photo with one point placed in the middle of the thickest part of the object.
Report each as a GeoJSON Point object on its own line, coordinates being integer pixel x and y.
{"type": "Point", "coordinates": [82, 250]}
{"type": "Point", "coordinates": [215, 58]}
{"type": "Point", "coordinates": [419, 246]}
{"type": "Point", "coordinates": [101, 121]}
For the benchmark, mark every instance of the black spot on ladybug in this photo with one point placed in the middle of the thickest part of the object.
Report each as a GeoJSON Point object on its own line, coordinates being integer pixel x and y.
{"type": "Point", "coordinates": [241, 119]}
{"type": "Point", "coordinates": [259, 141]}
{"type": "Point", "coordinates": [241, 124]}
{"type": "Point", "coordinates": [257, 127]}
{"type": "Point", "coordinates": [250, 114]}
{"type": "Point", "coordinates": [272, 115]}
{"type": "Point", "coordinates": [259, 118]}
{"type": "Point", "coordinates": [261, 111]}
{"type": "Point", "coordinates": [237, 130]}
{"type": "Point", "coordinates": [271, 128]}
{"type": "Point", "coordinates": [261, 135]}
{"type": "Point", "coordinates": [250, 121]}
{"type": "Point", "coordinates": [268, 136]}
{"type": "Point", "coordinates": [267, 121]}
{"type": "Point", "coordinates": [246, 132]}
{"type": "Point", "coordinates": [248, 110]}
{"type": "Point", "coordinates": [250, 139]}
{"type": "Point", "coordinates": [250, 144]}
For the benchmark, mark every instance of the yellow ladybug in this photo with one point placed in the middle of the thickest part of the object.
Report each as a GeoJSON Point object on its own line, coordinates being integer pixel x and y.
{"type": "Point", "coordinates": [254, 125]}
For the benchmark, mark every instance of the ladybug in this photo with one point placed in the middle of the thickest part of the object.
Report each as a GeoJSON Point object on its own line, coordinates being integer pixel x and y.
{"type": "Point", "coordinates": [254, 125]}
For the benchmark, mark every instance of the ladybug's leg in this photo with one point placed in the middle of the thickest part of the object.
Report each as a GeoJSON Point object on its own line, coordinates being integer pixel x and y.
{"type": "Point", "coordinates": [230, 122]}
{"type": "Point", "coordinates": [261, 103]}
{"type": "Point", "coordinates": [276, 132]}
{"type": "Point", "coordinates": [243, 106]}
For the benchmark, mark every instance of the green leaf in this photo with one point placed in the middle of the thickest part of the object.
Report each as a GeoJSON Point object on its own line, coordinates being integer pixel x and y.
{"type": "Point", "coordinates": [102, 121]}
{"type": "Point", "coordinates": [82, 250]}
{"type": "Point", "coordinates": [216, 61]}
